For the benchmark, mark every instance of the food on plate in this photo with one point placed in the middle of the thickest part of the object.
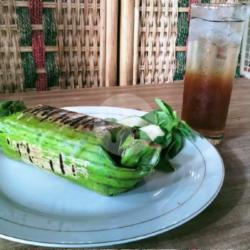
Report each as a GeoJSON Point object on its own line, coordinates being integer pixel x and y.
{"type": "Point", "coordinates": [109, 157]}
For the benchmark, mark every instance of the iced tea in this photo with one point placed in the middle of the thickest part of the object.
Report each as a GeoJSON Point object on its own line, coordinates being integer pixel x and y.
{"type": "Point", "coordinates": [215, 35]}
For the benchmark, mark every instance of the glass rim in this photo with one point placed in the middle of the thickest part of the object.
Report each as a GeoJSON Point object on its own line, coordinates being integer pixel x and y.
{"type": "Point", "coordinates": [217, 5]}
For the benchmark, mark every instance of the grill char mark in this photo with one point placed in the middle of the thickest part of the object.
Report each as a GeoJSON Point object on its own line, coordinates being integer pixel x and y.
{"type": "Point", "coordinates": [19, 151]}
{"type": "Point", "coordinates": [38, 109]}
{"type": "Point", "coordinates": [73, 170]}
{"type": "Point", "coordinates": [46, 111]}
{"type": "Point", "coordinates": [67, 121]}
{"type": "Point", "coordinates": [28, 152]}
{"type": "Point", "coordinates": [51, 114]}
{"type": "Point", "coordinates": [51, 165]}
{"type": "Point", "coordinates": [83, 122]}
{"type": "Point", "coordinates": [76, 121]}
{"type": "Point", "coordinates": [89, 124]}
{"type": "Point", "coordinates": [32, 110]}
{"type": "Point", "coordinates": [61, 164]}
{"type": "Point", "coordinates": [59, 118]}
{"type": "Point", "coordinates": [30, 159]}
{"type": "Point", "coordinates": [28, 148]}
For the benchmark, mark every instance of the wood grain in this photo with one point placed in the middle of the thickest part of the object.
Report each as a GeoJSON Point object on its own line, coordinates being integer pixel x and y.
{"type": "Point", "coordinates": [102, 42]}
{"type": "Point", "coordinates": [126, 42]}
{"type": "Point", "coordinates": [226, 222]}
{"type": "Point", "coordinates": [136, 41]}
{"type": "Point", "coordinates": [111, 42]}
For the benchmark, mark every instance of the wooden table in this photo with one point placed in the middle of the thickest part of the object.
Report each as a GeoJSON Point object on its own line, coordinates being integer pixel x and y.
{"type": "Point", "coordinates": [226, 222]}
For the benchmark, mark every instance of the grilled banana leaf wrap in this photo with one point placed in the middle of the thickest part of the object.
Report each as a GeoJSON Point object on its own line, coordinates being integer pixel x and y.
{"type": "Point", "coordinates": [97, 154]}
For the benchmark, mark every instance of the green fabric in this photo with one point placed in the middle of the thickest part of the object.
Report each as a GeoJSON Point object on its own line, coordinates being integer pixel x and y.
{"type": "Point", "coordinates": [182, 34]}
{"type": "Point", "coordinates": [24, 25]}
{"type": "Point", "coordinates": [182, 26]}
{"type": "Point", "coordinates": [180, 65]}
{"type": "Point", "coordinates": [51, 69]}
{"type": "Point", "coordinates": [237, 73]}
{"type": "Point", "coordinates": [29, 70]}
{"type": "Point", "coordinates": [50, 35]}
{"type": "Point", "coordinates": [183, 3]}
{"type": "Point", "coordinates": [49, 27]}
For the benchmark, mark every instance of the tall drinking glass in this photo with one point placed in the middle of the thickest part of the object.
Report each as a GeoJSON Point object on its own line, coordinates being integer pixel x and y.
{"type": "Point", "coordinates": [215, 35]}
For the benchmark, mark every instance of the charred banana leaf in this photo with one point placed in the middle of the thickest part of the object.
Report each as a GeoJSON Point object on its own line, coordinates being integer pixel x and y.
{"type": "Point", "coordinates": [103, 156]}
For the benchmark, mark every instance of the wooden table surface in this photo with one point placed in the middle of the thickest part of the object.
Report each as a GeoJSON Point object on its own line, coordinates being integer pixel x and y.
{"type": "Point", "coordinates": [226, 222]}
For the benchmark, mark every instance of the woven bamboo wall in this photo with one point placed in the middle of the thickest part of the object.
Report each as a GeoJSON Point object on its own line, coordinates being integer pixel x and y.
{"type": "Point", "coordinates": [74, 44]}
{"type": "Point", "coordinates": [224, 1]}
{"type": "Point", "coordinates": [245, 52]}
{"type": "Point", "coordinates": [11, 73]}
{"type": "Point", "coordinates": [53, 43]}
{"type": "Point", "coordinates": [160, 35]}
{"type": "Point", "coordinates": [78, 26]}
{"type": "Point", "coordinates": [183, 24]}
{"type": "Point", "coordinates": [157, 38]}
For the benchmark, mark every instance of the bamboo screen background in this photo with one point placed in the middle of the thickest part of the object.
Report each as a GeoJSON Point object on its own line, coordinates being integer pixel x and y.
{"type": "Point", "coordinates": [75, 43]}
{"type": "Point", "coordinates": [245, 55]}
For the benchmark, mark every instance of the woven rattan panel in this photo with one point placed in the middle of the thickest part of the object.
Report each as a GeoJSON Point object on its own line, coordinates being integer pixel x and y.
{"type": "Point", "coordinates": [78, 37]}
{"type": "Point", "coordinates": [157, 38]}
{"type": "Point", "coordinates": [51, 43]}
{"type": "Point", "coordinates": [47, 43]}
{"type": "Point", "coordinates": [224, 1]}
{"type": "Point", "coordinates": [11, 74]}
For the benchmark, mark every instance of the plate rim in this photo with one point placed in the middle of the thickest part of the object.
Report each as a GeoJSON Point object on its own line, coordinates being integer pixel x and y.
{"type": "Point", "coordinates": [136, 238]}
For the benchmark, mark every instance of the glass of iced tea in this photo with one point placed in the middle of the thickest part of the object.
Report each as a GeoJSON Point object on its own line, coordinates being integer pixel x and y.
{"type": "Point", "coordinates": [215, 35]}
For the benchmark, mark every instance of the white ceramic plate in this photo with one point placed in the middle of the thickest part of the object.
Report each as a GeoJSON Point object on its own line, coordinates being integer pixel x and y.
{"type": "Point", "coordinates": [39, 208]}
